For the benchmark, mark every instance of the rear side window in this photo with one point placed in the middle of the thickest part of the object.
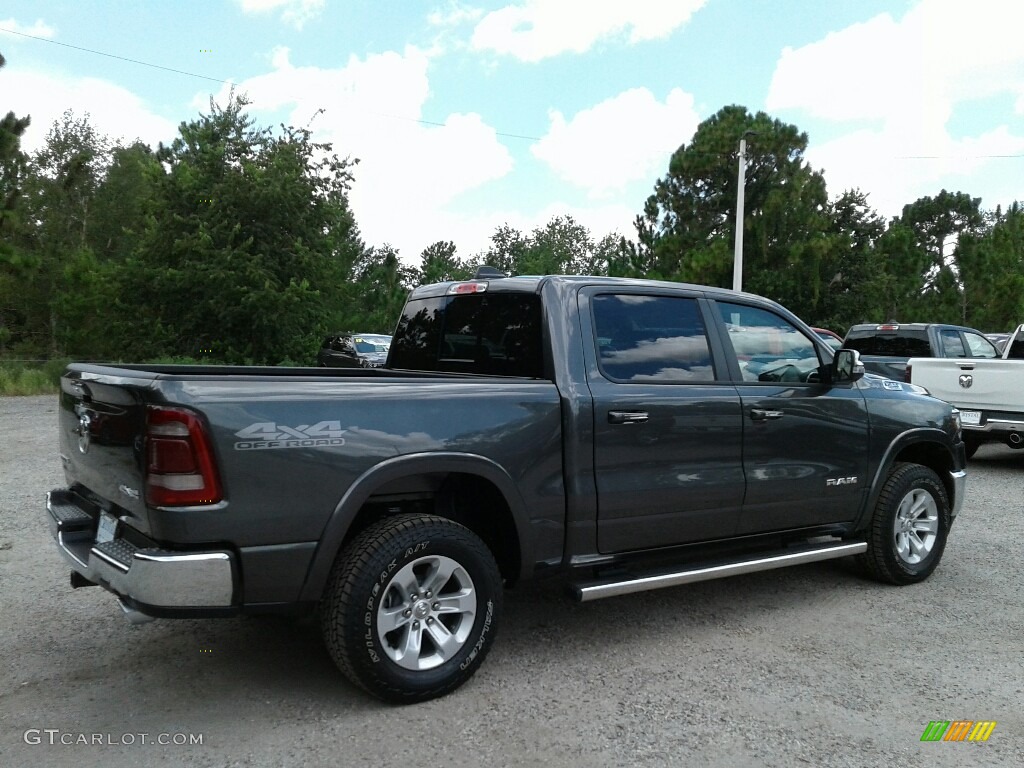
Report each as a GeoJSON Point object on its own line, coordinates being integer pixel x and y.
{"type": "Point", "coordinates": [651, 339]}
{"type": "Point", "coordinates": [496, 334]}
{"type": "Point", "coordinates": [952, 344]}
{"type": "Point", "coordinates": [891, 344]}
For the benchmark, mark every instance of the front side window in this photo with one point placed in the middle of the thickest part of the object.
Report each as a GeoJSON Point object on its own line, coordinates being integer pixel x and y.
{"type": "Point", "coordinates": [979, 345]}
{"type": "Point", "coordinates": [768, 347]}
{"type": "Point", "coordinates": [651, 339]}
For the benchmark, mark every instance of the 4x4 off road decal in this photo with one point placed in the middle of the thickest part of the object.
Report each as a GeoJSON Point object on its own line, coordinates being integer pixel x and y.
{"type": "Point", "coordinates": [267, 435]}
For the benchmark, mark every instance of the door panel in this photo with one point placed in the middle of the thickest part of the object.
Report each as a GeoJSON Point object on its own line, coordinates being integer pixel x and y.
{"type": "Point", "coordinates": [667, 435]}
{"type": "Point", "coordinates": [804, 443]}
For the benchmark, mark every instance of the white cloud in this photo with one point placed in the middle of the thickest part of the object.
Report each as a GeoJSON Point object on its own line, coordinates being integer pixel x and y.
{"type": "Point", "coordinates": [897, 175]}
{"type": "Point", "coordinates": [898, 84]}
{"type": "Point", "coordinates": [39, 29]}
{"type": "Point", "coordinates": [408, 170]}
{"type": "Point", "coordinates": [112, 110]}
{"type": "Point", "coordinates": [453, 15]}
{"type": "Point", "coordinates": [538, 29]}
{"type": "Point", "coordinates": [294, 12]}
{"type": "Point", "coordinates": [623, 139]}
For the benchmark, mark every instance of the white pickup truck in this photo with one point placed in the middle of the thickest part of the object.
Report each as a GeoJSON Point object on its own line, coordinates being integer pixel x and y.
{"type": "Point", "coordinates": [988, 392]}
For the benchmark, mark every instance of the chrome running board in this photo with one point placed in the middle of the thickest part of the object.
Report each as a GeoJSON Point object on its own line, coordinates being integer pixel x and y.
{"type": "Point", "coordinates": [594, 590]}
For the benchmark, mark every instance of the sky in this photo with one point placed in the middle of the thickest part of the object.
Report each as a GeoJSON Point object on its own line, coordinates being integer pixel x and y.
{"type": "Point", "coordinates": [466, 116]}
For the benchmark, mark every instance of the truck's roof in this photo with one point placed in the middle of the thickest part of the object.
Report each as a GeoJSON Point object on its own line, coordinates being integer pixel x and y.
{"type": "Point", "coordinates": [534, 283]}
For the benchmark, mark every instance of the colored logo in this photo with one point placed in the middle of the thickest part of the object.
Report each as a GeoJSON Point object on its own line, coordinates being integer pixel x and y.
{"type": "Point", "coordinates": [958, 730]}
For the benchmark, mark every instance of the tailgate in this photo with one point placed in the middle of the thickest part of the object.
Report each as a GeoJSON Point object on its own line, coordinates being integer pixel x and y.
{"type": "Point", "coordinates": [102, 419]}
{"type": "Point", "coordinates": [993, 385]}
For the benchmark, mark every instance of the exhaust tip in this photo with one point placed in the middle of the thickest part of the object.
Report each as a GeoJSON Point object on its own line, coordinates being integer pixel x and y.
{"type": "Point", "coordinates": [1015, 440]}
{"type": "Point", "coordinates": [134, 616]}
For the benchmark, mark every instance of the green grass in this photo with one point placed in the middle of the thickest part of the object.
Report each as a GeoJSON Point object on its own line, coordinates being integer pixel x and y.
{"type": "Point", "coordinates": [30, 379]}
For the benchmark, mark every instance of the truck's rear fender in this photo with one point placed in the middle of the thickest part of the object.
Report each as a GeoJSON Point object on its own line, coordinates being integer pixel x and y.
{"type": "Point", "coordinates": [446, 482]}
{"type": "Point", "coordinates": [926, 446]}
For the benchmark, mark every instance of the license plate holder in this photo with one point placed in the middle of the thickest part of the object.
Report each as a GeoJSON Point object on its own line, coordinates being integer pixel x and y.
{"type": "Point", "coordinates": [970, 417]}
{"type": "Point", "coordinates": [106, 529]}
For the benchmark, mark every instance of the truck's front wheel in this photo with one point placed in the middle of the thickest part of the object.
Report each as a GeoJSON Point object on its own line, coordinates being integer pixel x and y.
{"type": "Point", "coordinates": [411, 607]}
{"type": "Point", "coordinates": [909, 527]}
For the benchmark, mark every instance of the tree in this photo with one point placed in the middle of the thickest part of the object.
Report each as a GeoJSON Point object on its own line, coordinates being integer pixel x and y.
{"type": "Point", "coordinates": [122, 200]}
{"type": "Point", "coordinates": [60, 186]}
{"type": "Point", "coordinates": [562, 246]}
{"type": "Point", "coordinates": [438, 263]}
{"type": "Point", "coordinates": [938, 223]}
{"type": "Point", "coordinates": [381, 283]}
{"type": "Point", "coordinates": [249, 243]}
{"type": "Point", "coordinates": [15, 260]}
{"type": "Point", "coordinates": [855, 228]}
{"type": "Point", "coordinates": [991, 262]}
{"type": "Point", "coordinates": [687, 227]}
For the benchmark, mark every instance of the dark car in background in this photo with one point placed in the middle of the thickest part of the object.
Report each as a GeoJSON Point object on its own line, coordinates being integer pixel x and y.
{"type": "Point", "coordinates": [354, 350]}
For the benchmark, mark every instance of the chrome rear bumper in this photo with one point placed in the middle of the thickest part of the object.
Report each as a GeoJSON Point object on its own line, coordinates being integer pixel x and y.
{"type": "Point", "coordinates": [148, 577]}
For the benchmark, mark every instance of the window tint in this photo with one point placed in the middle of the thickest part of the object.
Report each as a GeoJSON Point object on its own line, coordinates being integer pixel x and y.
{"type": "Point", "coordinates": [492, 333]}
{"type": "Point", "coordinates": [768, 347]}
{"type": "Point", "coordinates": [979, 345]}
{"type": "Point", "coordinates": [651, 338]}
{"type": "Point", "coordinates": [891, 344]}
{"type": "Point", "coordinates": [952, 344]}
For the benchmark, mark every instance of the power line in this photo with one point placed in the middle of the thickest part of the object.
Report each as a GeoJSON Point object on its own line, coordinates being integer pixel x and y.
{"type": "Point", "coordinates": [419, 120]}
{"type": "Point", "coordinates": [229, 82]}
{"type": "Point", "coordinates": [120, 58]}
{"type": "Point", "coordinates": [952, 157]}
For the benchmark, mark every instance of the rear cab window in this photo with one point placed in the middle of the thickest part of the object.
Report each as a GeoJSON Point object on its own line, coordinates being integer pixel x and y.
{"type": "Point", "coordinates": [492, 333]}
{"type": "Point", "coordinates": [898, 343]}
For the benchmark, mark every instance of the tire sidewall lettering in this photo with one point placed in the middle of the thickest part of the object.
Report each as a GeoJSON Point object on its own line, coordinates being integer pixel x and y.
{"type": "Point", "coordinates": [379, 589]}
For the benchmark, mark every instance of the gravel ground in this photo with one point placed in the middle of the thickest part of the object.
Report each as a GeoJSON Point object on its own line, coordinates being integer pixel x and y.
{"type": "Point", "coordinates": [810, 665]}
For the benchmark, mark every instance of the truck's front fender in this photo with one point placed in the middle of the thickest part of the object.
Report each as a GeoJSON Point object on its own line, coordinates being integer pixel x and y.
{"type": "Point", "coordinates": [923, 445]}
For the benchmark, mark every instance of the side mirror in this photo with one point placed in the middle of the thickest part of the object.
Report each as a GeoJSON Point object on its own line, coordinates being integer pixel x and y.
{"type": "Point", "coordinates": [846, 366]}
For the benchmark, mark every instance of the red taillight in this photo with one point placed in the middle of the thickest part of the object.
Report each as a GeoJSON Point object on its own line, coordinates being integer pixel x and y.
{"type": "Point", "coordinates": [906, 374]}
{"type": "Point", "coordinates": [180, 469]}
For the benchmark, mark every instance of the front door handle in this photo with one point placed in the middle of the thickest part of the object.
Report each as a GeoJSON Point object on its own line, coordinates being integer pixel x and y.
{"type": "Point", "coordinates": [760, 414]}
{"type": "Point", "coordinates": [627, 417]}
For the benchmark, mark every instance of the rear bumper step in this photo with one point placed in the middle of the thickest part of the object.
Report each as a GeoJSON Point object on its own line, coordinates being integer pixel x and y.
{"type": "Point", "coordinates": [594, 590]}
{"type": "Point", "coordinates": [159, 578]}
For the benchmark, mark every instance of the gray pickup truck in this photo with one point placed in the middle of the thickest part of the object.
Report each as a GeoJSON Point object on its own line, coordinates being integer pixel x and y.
{"type": "Point", "coordinates": [885, 348]}
{"type": "Point", "coordinates": [623, 434]}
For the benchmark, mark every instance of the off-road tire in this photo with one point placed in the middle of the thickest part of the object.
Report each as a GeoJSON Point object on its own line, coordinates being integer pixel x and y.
{"type": "Point", "coordinates": [909, 526]}
{"type": "Point", "coordinates": [362, 595]}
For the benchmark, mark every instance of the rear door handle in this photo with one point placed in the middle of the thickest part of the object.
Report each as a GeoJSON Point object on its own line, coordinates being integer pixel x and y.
{"type": "Point", "coordinates": [627, 417]}
{"type": "Point", "coordinates": [760, 414]}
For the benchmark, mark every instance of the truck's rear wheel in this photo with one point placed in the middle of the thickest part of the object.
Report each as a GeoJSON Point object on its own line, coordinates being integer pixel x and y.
{"type": "Point", "coordinates": [411, 607]}
{"type": "Point", "coordinates": [909, 527]}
